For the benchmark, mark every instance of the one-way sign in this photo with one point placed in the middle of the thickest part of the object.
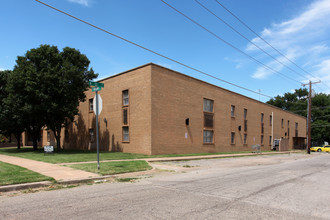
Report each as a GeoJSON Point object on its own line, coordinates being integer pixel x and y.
{"type": "Point", "coordinates": [94, 89]}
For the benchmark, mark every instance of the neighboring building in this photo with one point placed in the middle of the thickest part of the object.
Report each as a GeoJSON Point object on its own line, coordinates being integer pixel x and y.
{"type": "Point", "coordinates": [46, 138]}
{"type": "Point", "coordinates": [155, 110]}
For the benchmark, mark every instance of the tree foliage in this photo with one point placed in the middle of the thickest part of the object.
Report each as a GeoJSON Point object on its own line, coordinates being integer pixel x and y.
{"type": "Point", "coordinates": [47, 85]}
{"type": "Point", "coordinates": [10, 118]}
{"type": "Point", "coordinates": [296, 102]}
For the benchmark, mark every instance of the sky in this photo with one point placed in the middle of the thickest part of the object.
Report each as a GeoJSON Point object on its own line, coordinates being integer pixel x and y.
{"type": "Point", "coordinates": [298, 29]}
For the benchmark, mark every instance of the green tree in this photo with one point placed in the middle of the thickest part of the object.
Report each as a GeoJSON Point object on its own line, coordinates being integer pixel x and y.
{"type": "Point", "coordinates": [296, 102]}
{"type": "Point", "coordinates": [48, 85]}
{"type": "Point", "coordinates": [69, 84]}
{"type": "Point", "coordinates": [10, 115]}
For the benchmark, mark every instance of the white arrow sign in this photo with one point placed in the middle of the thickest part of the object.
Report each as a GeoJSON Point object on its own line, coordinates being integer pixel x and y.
{"type": "Point", "coordinates": [100, 104]}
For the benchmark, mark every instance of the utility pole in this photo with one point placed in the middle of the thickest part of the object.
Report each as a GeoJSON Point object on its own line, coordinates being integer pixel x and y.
{"type": "Point", "coordinates": [309, 116]}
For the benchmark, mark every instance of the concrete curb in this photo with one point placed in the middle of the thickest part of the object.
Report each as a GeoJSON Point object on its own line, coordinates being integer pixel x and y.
{"type": "Point", "coordinates": [22, 186]}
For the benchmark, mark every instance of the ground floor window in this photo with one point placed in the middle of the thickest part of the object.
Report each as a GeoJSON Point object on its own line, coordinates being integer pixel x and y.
{"type": "Point", "coordinates": [91, 135]}
{"type": "Point", "coordinates": [125, 134]}
{"type": "Point", "coordinates": [232, 139]}
{"type": "Point", "coordinates": [245, 139]}
{"type": "Point", "coordinates": [208, 136]}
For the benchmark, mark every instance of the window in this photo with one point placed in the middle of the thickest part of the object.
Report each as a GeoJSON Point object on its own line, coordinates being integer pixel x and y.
{"type": "Point", "coordinates": [208, 136]}
{"type": "Point", "coordinates": [270, 140]}
{"type": "Point", "coordinates": [48, 136]}
{"type": "Point", "coordinates": [125, 121]}
{"type": "Point", "coordinates": [245, 139]}
{"type": "Point", "coordinates": [208, 120]}
{"type": "Point", "coordinates": [207, 105]}
{"type": "Point", "coordinates": [125, 134]}
{"type": "Point", "coordinates": [288, 128]}
{"type": "Point", "coordinates": [270, 120]}
{"type": "Point", "coordinates": [296, 130]}
{"type": "Point", "coordinates": [282, 123]}
{"type": "Point", "coordinates": [232, 111]}
{"type": "Point", "coordinates": [232, 139]}
{"type": "Point", "coordinates": [91, 135]}
{"type": "Point", "coordinates": [208, 115]}
{"type": "Point", "coordinates": [262, 140]}
{"type": "Point", "coordinates": [262, 123]}
{"type": "Point", "coordinates": [245, 114]}
{"type": "Point", "coordinates": [125, 98]}
{"type": "Point", "coordinates": [125, 116]}
{"type": "Point", "coordinates": [245, 125]}
{"type": "Point", "coordinates": [91, 108]}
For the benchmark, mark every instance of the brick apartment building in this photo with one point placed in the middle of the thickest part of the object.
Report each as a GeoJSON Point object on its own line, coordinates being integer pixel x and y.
{"type": "Point", "coordinates": [155, 110]}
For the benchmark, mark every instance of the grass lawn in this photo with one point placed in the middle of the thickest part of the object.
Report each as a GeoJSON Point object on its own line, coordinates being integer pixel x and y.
{"type": "Point", "coordinates": [67, 156]}
{"type": "Point", "coordinates": [12, 174]}
{"type": "Point", "coordinates": [108, 168]}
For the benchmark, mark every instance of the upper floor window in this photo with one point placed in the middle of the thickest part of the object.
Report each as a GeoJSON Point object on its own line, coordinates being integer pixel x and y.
{"type": "Point", "coordinates": [270, 120]}
{"type": "Point", "coordinates": [125, 116]}
{"type": "Point", "coordinates": [208, 114]}
{"type": "Point", "coordinates": [282, 123]}
{"type": "Point", "coordinates": [125, 98]}
{"type": "Point", "coordinates": [90, 103]}
{"type": "Point", "coordinates": [232, 111]}
{"type": "Point", "coordinates": [245, 114]}
{"type": "Point", "coordinates": [208, 105]}
{"type": "Point", "coordinates": [262, 117]}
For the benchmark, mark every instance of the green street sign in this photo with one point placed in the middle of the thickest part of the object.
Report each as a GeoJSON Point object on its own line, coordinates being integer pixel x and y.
{"type": "Point", "coordinates": [97, 84]}
{"type": "Point", "coordinates": [94, 89]}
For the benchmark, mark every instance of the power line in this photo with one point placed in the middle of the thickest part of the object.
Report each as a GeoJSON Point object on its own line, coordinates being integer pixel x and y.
{"type": "Point", "coordinates": [320, 126]}
{"type": "Point", "coordinates": [156, 53]}
{"type": "Point", "coordinates": [313, 108]}
{"type": "Point", "coordinates": [251, 42]}
{"type": "Point", "coordinates": [243, 23]}
{"type": "Point", "coordinates": [229, 44]}
{"type": "Point", "coordinates": [323, 116]}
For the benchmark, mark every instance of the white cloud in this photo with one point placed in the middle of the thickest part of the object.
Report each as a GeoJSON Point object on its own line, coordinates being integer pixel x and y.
{"type": "Point", "coordinates": [303, 39]}
{"type": "Point", "coordinates": [82, 2]}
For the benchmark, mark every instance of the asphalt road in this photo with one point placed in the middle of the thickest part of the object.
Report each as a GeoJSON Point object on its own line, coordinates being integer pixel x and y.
{"type": "Point", "coordinates": [293, 186]}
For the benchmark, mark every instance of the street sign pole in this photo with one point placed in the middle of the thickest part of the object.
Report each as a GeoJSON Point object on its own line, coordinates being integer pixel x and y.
{"type": "Point", "coordinates": [97, 87]}
{"type": "Point", "coordinates": [97, 130]}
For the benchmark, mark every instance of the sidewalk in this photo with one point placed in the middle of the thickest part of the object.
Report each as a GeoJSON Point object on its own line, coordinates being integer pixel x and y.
{"type": "Point", "coordinates": [59, 173]}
